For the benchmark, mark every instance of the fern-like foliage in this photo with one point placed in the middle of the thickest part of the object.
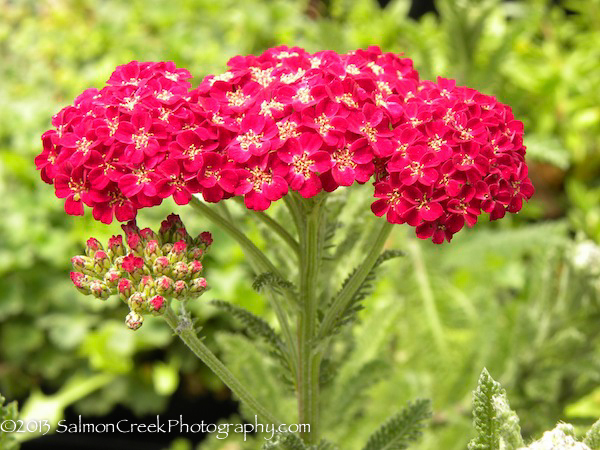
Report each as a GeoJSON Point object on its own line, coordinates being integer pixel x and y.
{"type": "Point", "coordinates": [402, 429]}
{"type": "Point", "coordinates": [592, 437]}
{"type": "Point", "coordinates": [269, 279]}
{"type": "Point", "coordinates": [496, 425]}
{"type": "Point", "coordinates": [256, 326]}
{"type": "Point", "coordinates": [8, 412]}
{"type": "Point", "coordinates": [285, 441]}
{"type": "Point", "coordinates": [364, 290]}
{"type": "Point", "coordinates": [349, 394]}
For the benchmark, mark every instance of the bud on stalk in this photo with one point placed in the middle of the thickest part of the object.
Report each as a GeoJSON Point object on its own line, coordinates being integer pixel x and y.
{"type": "Point", "coordinates": [137, 302]}
{"type": "Point", "coordinates": [156, 305]}
{"type": "Point", "coordinates": [134, 320]}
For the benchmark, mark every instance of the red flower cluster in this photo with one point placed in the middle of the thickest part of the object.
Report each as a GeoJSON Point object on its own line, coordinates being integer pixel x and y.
{"type": "Point", "coordinates": [459, 153]}
{"type": "Point", "coordinates": [109, 150]}
{"type": "Point", "coordinates": [285, 120]}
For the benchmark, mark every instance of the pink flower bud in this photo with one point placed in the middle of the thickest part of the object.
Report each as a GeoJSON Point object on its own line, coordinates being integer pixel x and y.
{"type": "Point", "coordinates": [134, 320]}
{"type": "Point", "coordinates": [174, 220]}
{"type": "Point", "coordinates": [136, 302]}
{"type": "Point", "coordinates": [112, 277]}
{"type": "Point", "coordinates": [205, 238]}
{"type": "Point", "coordinates": [125, 288]}
{"type": "Point", "coordinates": [81, 282]}
{"type": "Point", "coordinates": [180, 289]}
{"type": "Point", "coordinates": [180, 234]}
{"type": "Point", "coordinates": [146, 284]}
{"type": "Point", "coordinates": [178, 251]}
{"type": "Point", "coordinates": [195, 253]}
{"type": "Point", "coordinates": [161, 265]}
{"type": "Point", "coordinates": [130, 227]}
{"type": "Point", "coordinates": [195, 267]}
{"type": "Point", "coordinates": [101, 261]}
{"type": "Point", "coordinates": [157, 305]}
{"type": "Point", "coordinates": [99, 289]}
{"type": "Point", "coordinates": [147, 234]}
{"type": "Point", "coordinates": [115, 246]}
{"type": "Point", "coordinates": [135, 243]}
{"type": "Point", "coordinates": [92, 246]}
{"type": "Point", "coordinates": [198, 285]}
{"type": "Point", "coordinates": [133, 265]}
{"type": "Point", "coordinates": [180, 270]}
{"type": "Point", "coordinates": [83, 264]}
{"type": "Point", "coordinates": [152, 250]}
{"type": "Point", "coordinates": [164, 285]}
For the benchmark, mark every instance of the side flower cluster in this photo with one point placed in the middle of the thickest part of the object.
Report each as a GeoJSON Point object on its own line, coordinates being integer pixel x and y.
{"type": "Point", "coordinates": [146, 271]}
{"type": "Point", "coordinates": [439, 154]}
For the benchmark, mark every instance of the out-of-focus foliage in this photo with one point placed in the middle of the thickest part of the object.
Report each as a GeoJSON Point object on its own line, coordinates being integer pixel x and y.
{"type": "Point", "coordinates": [8, 416]}
{"type": "Point", "coordinates": [513, 297]}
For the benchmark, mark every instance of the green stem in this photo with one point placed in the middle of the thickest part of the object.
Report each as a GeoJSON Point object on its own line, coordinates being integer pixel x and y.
{"type": "Point", "coordinates": [344, 297]}
{"type": "Point", "coordinates": [252, 251]}
{"type": "Point", "coordinates": [278, 229]}
{"type": "Point", "coordinates": [308, 360]}
{"type": "Point", "coordinates": [185, 330]}
{"type": "Point", "coordinates": [260, 263]}
{"type": "Point", "coordinates": [431, 311]}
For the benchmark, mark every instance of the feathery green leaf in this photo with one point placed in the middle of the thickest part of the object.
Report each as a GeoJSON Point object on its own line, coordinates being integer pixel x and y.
{"type": "Point", "coordinates": [364, 290]}
{"type": "Point", "coordinates": [402, 429]}
{"type": "Point", "coordinates": [592, 437]}
{"type": "Point", "coordinates": [497, 426]}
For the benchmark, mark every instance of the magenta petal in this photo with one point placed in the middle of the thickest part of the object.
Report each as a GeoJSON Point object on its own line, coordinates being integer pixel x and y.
{"type": "Point", "coordinates": [380, 207]}
{"type": "Point", "coordinates": [129, 185]}
{"type": "Point", "coordinates": [72, 207]}
{"type": "Point", "coordinates": [322, 162]}
{"type": "Point", "coordinates": [429, 177]}
{"type": "Point", "coordinates": [256, 201]}
{"type": "Point", "coordinates": [182, 197]}
{"type": "Point", "coordinates": [431, 211]}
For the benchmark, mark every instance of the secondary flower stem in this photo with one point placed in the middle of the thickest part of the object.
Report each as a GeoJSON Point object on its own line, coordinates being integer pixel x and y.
{"type": "Point", "coordinates": [278, 229]}
{"type": "Point", "coordinates": [184, 329]}
{"type": "Point", "coordinates": [259, 262]}
{"type": "Point", "coordinates": [308, 360]}
{"type": "Point", "coordinates": [252, 251]}
{"type": "Point", "coordinates": [375, 244]}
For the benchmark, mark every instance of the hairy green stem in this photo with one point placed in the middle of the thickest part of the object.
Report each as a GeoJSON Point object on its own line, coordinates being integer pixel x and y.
{"type": "Point", "coordinates": [311, 242]}
{"type": "Point", "coordinates": [431, 311]}
{"type": "Point", "coordinates": [184, 329]}
{"type": "Point", "coordinates": [260, 263]}
{"type": "Point", "coordinates": [344, 297]}
{"type": "Point", "coordinates": [278, 229]}
{"type": "Point", "coordinates": [251, 250]}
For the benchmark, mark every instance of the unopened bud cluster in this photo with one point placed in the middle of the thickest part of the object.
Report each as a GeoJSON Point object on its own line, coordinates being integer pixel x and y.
{"type": "Point", "coordinates": [147, 270]}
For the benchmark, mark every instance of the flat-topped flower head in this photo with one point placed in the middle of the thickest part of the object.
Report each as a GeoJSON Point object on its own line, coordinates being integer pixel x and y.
{"type": "Point", "coordinates": [288, 120]}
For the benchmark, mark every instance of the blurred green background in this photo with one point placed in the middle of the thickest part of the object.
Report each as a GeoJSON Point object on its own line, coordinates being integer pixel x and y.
{"type": "Point", "coordinates": [519, 296]}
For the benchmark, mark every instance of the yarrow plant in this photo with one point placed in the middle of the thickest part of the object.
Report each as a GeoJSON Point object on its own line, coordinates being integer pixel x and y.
{"type": "Point", "coordinates": [287, 125]}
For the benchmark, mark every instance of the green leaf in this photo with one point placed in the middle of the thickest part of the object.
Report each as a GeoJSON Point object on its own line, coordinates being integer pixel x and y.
{"type": "Point", "coordinates": [497, 426]}
{"type": "Point", "coordinates": [285, 441]}
{"type": "Point", "coordinates": [8, 412]}
{"type": "Point", "coordinates": [254, 324]}
{"type": "Point", "coordinates": [364, 290]}
{"type": "Point", "coordinates": [269, 279]}
{"type": "Point", "coordinates": [402, 429]}
{"type": "Point", "coordinates": [592, 437]}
